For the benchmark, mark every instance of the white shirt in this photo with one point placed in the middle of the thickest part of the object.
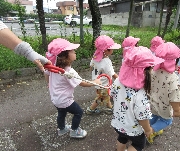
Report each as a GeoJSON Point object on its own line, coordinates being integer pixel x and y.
{"type": "Point", "coordinates": [62, 88]}
{"type": "Point", "coordinates": [102, 67]}
{"type": "Point", "coordinates": [130, 105]}
{"type": "Point", "coordinates": [2, 25]}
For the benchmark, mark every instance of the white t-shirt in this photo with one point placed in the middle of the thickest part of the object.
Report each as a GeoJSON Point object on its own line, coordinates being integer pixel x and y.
{"type": "Point", "coordinates": [130, 105]}
{"type": "Point", "coordinates": [62, 88]}
{"type": "Point", "coordinates": [2, 25]}
{"type": "Point", "coordinates": [102, 67]}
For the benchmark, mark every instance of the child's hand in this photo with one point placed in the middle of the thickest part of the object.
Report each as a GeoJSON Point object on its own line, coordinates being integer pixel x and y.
{"type": "Point", "coordinates": [148, 133]}
{"type": "Point", "coordinates": [97, 81]}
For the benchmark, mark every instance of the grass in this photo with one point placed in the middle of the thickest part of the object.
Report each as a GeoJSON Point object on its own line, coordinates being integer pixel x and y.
{"type": "Point", "coordinates": [11, 61]}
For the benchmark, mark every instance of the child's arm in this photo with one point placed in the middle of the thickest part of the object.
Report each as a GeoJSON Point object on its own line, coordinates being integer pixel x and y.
{"type": "Point", "coordinates": [115, 76]}
{"type": "Point", "coordinates": [86, 84]}
{"type": "Point", "coordinates": [176, 108]}
{"type": "Point", "coordinates": [46, 78]}
{"type": "Point", "coordinates": [146, 126]}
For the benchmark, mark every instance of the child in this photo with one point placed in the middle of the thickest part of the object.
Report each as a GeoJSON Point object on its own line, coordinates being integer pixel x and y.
{"type": "Point", "coordinates": [128, 44]}
{"type": "Point", "coordinates": [101, 64]}
{"type": "Point", "coordinates": [131, 102]}
{"type": "Point", "coordinates": [61, 53]}
{"type": "Point", "coordinates": [165, 95]}
{"type": "Point", "coordinates": [155, 42]}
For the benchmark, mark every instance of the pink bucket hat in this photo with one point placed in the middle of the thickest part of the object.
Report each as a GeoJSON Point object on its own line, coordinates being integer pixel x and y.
{"type": "Point", "coordinates": [155, 42]}
{"type": "Point", "coordinates": [132, 70]}
{"type": "Point", "coordinates": [103, 43]}
{"type": "Point", "coordinates": [57, 46]}
{"type": "Point", "coordinates": [128, 44]}
{"type": "Point", "coordinates": [169, 52]}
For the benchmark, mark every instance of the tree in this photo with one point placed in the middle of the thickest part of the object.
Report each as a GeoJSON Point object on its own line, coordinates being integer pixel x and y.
{"type": "Point", "coordinates": [40, 11]}
{"type": "Point", "coordinates": [161, 14]}
{"type": "Point", "coordinates": [170, 4]}
{"type": "Point", "coordinates": [6, 7]}
{"type": "Point", "coordinates": [130, 16]}
{"type": "Point", "coordinates": [96, 19]}
{"type": "Point", "coordinates": [80, 2]}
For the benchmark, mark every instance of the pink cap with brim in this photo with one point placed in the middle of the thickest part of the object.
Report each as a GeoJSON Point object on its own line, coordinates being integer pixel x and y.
{"type": "Point", "coordinates": [155, 42]}
{"type": "Point", "coordinates": [128, 44]}
{"type": "Point", "coordinates": [57, 46]}
{"type": "Point", "coordinates": [132, 70]}
{"type": "Point", "coordinates": [103, 43]}
{"type": "Point", "coordinates": [169, 52]}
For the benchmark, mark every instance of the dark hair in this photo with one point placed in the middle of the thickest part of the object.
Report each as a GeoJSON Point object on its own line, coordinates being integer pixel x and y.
{"type": "Point", "coordinates": [177, 60]}
{"type": "Point", "coordinates": [147, 80]}
{"type": "Point", "coordinates": [63, 59]}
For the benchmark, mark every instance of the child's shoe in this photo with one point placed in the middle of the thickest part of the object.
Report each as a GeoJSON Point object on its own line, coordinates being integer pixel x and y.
{"type": "Point", "coordinates": [151, 138]}
{"type": "Point", "coordinates": [95, 111]}
{"type": "Point", "coordinates": [64, 131]}
{"type": "Point", "coordinates": [79, 133]}
{"type": "Point", "coordinates": [158, 133]}
{"type": "Point", "coordinates": [108, 110]}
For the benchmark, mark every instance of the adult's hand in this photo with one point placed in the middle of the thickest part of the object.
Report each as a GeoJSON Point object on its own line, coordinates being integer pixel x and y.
{"type": "Point", "coordinates": [40, 65]}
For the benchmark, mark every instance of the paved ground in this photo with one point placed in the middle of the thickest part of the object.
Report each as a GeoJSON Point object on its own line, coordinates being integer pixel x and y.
{"type": "Point", "coordinates": [28, 122]}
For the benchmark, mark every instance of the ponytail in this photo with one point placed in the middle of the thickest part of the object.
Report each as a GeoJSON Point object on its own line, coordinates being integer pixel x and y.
{"type": "Point", "coordinates": [147, 80]}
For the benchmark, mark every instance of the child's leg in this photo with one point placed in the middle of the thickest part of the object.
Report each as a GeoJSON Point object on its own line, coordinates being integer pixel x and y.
{"type": "Point", "coordinates": [120, 146]}
{"type": "Point", "coordinates": [61, 118]}
{"type": "Point", "coordinates": [75, 109]}
{"type": "Point", "coordinates": [92, 109]}
{"type": "Point", "coordinates": [94, 105]}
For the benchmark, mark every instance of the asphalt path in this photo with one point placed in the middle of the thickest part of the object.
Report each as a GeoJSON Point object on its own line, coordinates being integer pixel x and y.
{"type": "Point", "coordinates": [28, 121]}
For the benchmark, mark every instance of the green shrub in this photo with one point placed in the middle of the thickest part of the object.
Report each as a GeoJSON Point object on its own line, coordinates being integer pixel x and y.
{"type": "Point", "coordinates": [11, 61]}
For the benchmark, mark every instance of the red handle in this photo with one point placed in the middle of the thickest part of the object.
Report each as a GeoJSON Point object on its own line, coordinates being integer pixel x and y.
{"type": "Point", "coordinates": [109, 79]}
{"type": "Point", "coordinates": [54, 68]}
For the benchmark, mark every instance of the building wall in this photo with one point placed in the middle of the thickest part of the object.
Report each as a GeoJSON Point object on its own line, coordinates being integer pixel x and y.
{"type": "Point", "coordinates": [29, 9]}
{"type": "Point", "coordinates": [28, 4]}
{"type": "Point", "coordinates": [139, 19]}
{"type": "Point", "coordinates": [122, 7]}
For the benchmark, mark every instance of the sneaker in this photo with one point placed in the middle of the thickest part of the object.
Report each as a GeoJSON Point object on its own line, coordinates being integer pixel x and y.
{"type": "Point", "coordinates": [158, 133]}
{"type": "Point", "coordinates": [108, 110]}
{"type": "Point", "coordinates": [151, 138]}
{"type": "Point", "coordinates": [79, 133]}
{"type": "Point", "coordinates": [64, 131]}
{"type": "Point", "coordinates": [95, 111]}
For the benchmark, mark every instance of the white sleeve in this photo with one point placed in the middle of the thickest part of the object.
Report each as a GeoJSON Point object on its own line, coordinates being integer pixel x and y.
{"type": "Point", "coordinates": [24, 49]}
{"type": "Point", "coordinates": [2, 25]}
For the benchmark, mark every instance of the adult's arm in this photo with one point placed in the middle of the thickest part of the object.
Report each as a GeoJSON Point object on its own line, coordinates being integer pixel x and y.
{"type": "Point", "coordinates": [11, 41]}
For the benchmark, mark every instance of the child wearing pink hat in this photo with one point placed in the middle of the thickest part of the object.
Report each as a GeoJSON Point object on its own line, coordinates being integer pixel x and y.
{"type": "Point", "coordinates": [155, 42]}
{"type": "Point", "coordinates": [128, 44]}
{"type": "Point", "coordinates": [165, 95]}
{"type": "Point", "coordinates": [62, 54]}
{"type": "Point", "coordinates": [131, 102]}
{"type": "Point", "coordinates": [101, 64]}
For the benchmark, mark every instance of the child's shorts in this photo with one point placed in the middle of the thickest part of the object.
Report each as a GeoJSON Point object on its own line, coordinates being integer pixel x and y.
{"type": "Point", "coordinates": [138, 142]}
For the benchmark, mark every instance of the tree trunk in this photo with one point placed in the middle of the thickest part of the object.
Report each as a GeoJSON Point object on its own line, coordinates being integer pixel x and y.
{"type": "Point", "coordinates": [129, 19]}
{"type": "Point", "coordinates": [168, 16]}
{"type": "Point", "coordinates": [96, 19]}
{"type": "Point", "coordinates": [161, 14]}
{"type": "Point", "coordinates": [40, 11]}
{"type": "Point", "coordinates": [177, 16]}
{"type": "Point", "coordinates": [81, 22]}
